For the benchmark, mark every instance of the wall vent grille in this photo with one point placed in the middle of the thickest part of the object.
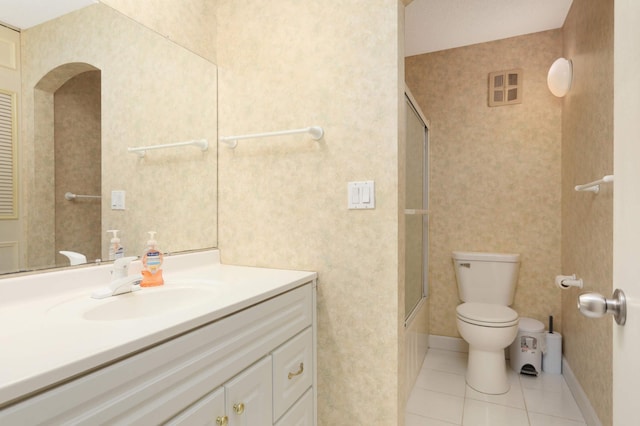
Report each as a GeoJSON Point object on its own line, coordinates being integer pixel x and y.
{"type": "Point", "coordinates": [505, 87]}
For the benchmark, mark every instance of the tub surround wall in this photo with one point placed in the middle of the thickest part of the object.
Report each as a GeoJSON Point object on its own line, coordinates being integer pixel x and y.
{"type": "Point", "coordinates": [286, 64]}
{"type": "Point", "coordinates": [587, 219]}
{"type": "Point", "coordinates": [495, 171]}
{"type": "Point", "coordinates": [416, 344]}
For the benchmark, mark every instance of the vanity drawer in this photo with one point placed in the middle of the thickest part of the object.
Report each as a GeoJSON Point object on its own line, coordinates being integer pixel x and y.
{"type": "Point", "coordinates": [292, 371]}
{"type": "Point", "coordinates": [204, 412]}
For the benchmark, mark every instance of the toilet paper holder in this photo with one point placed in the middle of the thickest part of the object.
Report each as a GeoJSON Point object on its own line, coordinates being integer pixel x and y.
{"type": "Point", "coordinates": [595, 305]}
{"type": "Point", "coordinates": [567, 281]}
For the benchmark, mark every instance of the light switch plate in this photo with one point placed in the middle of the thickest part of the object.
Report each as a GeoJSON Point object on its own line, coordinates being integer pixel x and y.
{"type": "Point", "coordinates": [361, 195]}
{"type": "Point", "coordinates": [117, 200]}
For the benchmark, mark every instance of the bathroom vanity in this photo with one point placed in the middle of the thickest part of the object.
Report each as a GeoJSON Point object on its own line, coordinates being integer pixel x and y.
{"type": "Point", "coordinates": [240, 350]}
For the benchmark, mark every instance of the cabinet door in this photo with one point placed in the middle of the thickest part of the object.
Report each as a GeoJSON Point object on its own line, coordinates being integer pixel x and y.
{"type": "Point", "coordinates": [301, 414]}
{"type": "Point", "coordinates": [209, 411]}
{"type": "Point", "coordinates": [249, 396]}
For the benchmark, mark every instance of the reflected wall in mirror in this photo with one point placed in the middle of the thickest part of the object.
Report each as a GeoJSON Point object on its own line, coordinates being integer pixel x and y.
{"type": "Point", "coordinates": [66, 157]}
{"type": "Point", "coordinates": [134, 88]}
{"type": "Point", "coordinates": [76, 164]}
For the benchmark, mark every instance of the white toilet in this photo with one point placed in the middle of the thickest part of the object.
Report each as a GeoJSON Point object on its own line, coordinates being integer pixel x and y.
{"type": "Point", "coordinates": [486, 286]}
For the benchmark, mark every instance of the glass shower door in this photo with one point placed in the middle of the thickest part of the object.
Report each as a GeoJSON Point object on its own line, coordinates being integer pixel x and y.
{"type": "Point", "coordinates": [416, 209]}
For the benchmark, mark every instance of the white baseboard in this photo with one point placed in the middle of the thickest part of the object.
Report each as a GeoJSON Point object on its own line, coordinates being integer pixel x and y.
{"type": "Point", "coordinates": [583, 402]}
{"type": "Point", "coordinates": [457, 344]}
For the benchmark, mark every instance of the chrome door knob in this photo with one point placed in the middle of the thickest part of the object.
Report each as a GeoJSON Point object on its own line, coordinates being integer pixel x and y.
{"type": "Point", "coordinates": [594, 305]}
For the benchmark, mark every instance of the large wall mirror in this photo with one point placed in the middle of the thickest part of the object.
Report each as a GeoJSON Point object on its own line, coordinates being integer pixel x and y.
{"type": "Point", "coordinates": [94, 83]}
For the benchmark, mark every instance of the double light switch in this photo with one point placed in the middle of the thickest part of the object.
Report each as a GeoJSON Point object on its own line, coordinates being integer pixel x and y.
{"type": "Point", "coordinates": [362, 195]}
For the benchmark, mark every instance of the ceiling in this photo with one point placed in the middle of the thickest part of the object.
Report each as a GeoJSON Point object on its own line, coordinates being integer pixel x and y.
{"type": "Point", "coordinates": [23, 14]}
{"type": "Point", "coordinates": [432, 25]}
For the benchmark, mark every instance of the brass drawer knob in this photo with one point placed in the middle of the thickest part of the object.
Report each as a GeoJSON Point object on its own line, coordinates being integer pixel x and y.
{"type": "Point", "coordinates": [238, 408]}
{"type": "Point", "coordinates": [297, 373]}
{"type": "Point", "coordinates": [222, 421]}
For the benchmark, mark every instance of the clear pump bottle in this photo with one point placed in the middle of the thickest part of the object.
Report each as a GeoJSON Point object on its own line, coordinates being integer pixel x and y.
{"type": "Point", "coordinates": [151, 264]}
{"type": "Point", "coordinates": [116, 251]}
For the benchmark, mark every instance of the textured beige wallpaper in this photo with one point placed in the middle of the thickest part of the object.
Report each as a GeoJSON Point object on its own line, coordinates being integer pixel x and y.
{"type": "Point", "coordinates": [153, 92]}
{"type": "Point", "coordinates": [495, 172]}
{"type": "Point", "coordinates": [287, 64]}
{"type": "Point", "coordinates": [587, 219]}
{"type": "Point", "coordinates": [190, 23]}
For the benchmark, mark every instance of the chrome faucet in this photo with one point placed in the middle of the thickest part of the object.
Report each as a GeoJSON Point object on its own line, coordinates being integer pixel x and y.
{"type": "Point", "coordinates": [120, 281]}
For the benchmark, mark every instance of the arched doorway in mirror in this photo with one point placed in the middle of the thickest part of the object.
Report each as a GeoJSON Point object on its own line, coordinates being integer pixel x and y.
{"type": "Point", "coordinates": [66, 205]}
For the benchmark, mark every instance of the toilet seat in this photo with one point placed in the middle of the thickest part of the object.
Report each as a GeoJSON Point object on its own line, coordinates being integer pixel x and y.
{"type": "Point", "coordinates": [487, 314]}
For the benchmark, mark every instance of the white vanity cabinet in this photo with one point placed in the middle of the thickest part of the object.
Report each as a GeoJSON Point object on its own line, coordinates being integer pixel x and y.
{"type": "Point", "coordinates": [253, 367]}
{"type": "Point", "coordinates": [263, 393]}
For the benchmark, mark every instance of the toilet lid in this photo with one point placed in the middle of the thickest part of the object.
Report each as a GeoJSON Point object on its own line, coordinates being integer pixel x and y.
{"type": "Point", "coordinates": [487, 313]}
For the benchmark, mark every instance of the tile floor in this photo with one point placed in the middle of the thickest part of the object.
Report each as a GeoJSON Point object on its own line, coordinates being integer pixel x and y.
{"type": "Point", "coordinates": [441, 397]}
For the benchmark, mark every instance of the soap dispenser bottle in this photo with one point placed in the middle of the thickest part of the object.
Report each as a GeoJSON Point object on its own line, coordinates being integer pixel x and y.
{"type": "Point", "coordinates": [116, 251]}
{"type": "Point", "coordinates": [151, 264]}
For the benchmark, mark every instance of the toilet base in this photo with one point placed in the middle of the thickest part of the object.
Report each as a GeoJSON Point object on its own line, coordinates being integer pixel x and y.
{"type": "Point", "coordinates": [487, 371]}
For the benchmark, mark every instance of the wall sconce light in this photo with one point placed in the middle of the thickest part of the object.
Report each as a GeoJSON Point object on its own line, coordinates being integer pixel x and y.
{"type": "Point", "coordinates": [560, 77]}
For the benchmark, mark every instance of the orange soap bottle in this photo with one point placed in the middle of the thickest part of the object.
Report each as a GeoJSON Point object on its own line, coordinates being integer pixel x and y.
{"type": "Point", "coordinates": [151, 264]}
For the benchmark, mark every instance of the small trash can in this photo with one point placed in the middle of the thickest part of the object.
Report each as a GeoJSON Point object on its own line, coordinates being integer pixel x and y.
{"type": "Point", "coordinates": [526, 350]}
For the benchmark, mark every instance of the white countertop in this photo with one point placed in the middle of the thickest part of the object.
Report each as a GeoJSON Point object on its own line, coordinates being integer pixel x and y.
{"type": "Point", "coordinates": [42, 342]}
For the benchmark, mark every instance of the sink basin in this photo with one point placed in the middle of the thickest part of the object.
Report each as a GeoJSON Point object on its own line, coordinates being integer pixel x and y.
{"type": "Point", "coordinates": [147, 302]}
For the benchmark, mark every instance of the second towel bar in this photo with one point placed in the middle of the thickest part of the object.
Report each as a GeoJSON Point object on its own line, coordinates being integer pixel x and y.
{"type": "Point", "coordinates": [203, 144]}
{"type": "Point", "coordinates": [71, 196]}
{"type": "Point", "coordinates": [595, 185]}
{"type": "Point", "coordinates": [315, 131]}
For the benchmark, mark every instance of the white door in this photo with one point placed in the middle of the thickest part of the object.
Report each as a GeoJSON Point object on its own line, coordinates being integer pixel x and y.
{"type": "Point", "coordinates": [626, 209]}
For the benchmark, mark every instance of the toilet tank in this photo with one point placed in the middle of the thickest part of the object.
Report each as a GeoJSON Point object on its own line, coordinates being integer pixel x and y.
{"type": "Point", "coordinates": [486, 277]}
